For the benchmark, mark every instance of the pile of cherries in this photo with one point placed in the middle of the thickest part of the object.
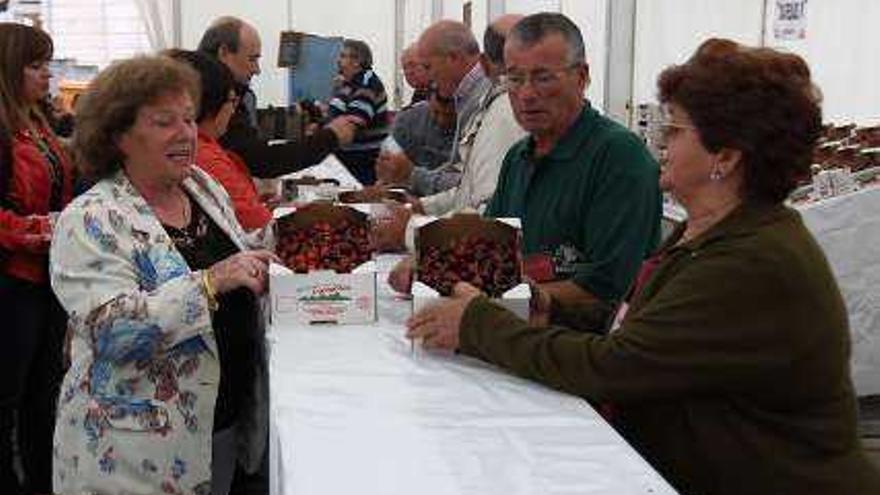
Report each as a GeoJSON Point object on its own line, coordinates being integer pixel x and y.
{"type": "Point", "coordinates": [340, 247]}
{"type": "Point", "coordinates": [489, 265]}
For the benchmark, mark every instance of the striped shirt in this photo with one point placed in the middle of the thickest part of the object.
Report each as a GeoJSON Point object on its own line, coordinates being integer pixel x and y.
{"type": "Point", "coordinates": [363, 96]}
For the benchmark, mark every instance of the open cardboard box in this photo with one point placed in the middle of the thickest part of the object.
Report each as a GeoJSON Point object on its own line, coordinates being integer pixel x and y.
{"type": "Point", "coordinates": [321, 296]}
{"type": "Point", "coordinates": [430, 231]}
{"type": "Point", "coordinates": [308, 188]}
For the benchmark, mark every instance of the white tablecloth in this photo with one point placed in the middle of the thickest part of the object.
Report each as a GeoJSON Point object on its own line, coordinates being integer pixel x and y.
{"type": "Point", "coordinates": [353, 411]}
{"type": "Point", "coordinates": [848, 229]}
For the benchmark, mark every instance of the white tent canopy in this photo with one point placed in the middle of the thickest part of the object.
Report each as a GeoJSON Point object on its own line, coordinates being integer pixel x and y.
{"type": "Point", "coordinates": [628, 41]}
{"type": "Point", "coordinates": [655, 33]}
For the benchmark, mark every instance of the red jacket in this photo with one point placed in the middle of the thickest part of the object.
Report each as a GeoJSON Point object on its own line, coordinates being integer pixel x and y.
{"type": "Point", "coordinates": [231, 172]}
{"type": "Point", "coordinates": [25, 232]}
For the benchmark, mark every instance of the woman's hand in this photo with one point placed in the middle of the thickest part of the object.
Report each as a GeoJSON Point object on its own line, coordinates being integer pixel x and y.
{"type": "Point", "coordinates": [246, 269]}
{"type": "Point", "coordinates": [439, 324]}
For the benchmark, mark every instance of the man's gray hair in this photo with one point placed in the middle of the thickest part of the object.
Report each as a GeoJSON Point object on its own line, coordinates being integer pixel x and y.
{"type": "Point", "coordinates": [534, 28]}
{"type": "Point", "coordinates": [455, 37]}
{"type": "Point", "coordinates": [225, 31]}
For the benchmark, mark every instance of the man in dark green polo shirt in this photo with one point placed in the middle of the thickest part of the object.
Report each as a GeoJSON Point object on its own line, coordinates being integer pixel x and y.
{"type": "Point", "coordinates": [585, 188]}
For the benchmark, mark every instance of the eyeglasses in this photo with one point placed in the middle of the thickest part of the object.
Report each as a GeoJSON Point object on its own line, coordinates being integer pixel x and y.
{"type": "Point", "coordinates": [669, 130]}
{"type": "Point", "coordinates": [541, 80]}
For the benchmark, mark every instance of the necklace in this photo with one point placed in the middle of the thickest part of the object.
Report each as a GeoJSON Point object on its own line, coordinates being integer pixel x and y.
{"type": "Point", "coordinates": [193, 230]}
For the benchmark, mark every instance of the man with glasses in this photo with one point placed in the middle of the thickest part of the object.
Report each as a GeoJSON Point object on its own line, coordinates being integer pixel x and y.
{"type": "Point", "coordinates": [451, 56]}
{"type": "Point", "coordinates": [416, 74]}
{"type": "Point", "coordinates": [585, 188]}
{"type": "Point", "coordinates": [486, 127]}
{"type": "Point", "coordinates": [485, 138]}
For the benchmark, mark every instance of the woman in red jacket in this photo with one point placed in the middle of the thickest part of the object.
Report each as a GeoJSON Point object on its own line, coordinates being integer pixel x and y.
{"type": "Point", "coordinates": [36, 181]}
{"type": "Point", "coordinates": [218, 102]}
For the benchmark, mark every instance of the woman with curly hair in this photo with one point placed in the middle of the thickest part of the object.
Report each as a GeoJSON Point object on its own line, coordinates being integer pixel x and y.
{"type": "Point", "coordinates": [166, 392]}
{"type": "Point", "coordinates": [730, 368]}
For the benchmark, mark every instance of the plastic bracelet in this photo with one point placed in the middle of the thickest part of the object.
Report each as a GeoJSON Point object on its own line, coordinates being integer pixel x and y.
{"type": "Point", "coordinates": [210, 292]}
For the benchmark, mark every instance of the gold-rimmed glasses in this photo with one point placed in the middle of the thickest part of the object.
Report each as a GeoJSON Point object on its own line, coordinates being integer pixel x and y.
{"type": "Point", "coordinates": [669, 130]}
{"type": "Point", "coordinates": [541, 79]}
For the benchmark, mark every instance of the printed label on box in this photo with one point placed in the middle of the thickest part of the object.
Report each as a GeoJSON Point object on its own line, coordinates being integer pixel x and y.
{"type": "Point", "coordinates": [323, 297]}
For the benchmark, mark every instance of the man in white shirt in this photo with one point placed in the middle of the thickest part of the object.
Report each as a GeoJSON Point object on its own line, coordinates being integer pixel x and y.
{"type": "Point", "coordinates": [487, 130]}
{"type": "Point", "coordinates": [487, 137]}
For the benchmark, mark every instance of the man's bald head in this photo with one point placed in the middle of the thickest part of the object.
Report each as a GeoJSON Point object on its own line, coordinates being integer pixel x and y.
{"type": "Point", "coordinates": [414, 70]}
{"type": "Point", "coordinates": [505, 22]}
{"type": "Point", "coordinates": [449, 51]}
{"type": "Point", "coordinates": [448, 38]}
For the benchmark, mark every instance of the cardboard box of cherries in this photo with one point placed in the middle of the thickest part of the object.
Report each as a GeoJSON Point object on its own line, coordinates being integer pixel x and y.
{"type": "Point", "coordinates": [484, 252]}
{"type": "Point", "coordinates": [328, 274]}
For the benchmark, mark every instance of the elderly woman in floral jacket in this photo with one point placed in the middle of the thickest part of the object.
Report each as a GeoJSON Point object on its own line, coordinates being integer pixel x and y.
{"type": "Point", "coordinates": [166, 389]}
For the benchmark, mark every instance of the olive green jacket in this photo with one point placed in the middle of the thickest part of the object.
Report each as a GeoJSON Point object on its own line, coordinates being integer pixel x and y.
{"type": "Point", "coordinates": [730, 371]}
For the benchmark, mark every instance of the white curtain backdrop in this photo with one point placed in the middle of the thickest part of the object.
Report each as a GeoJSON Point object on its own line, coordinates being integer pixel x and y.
{"type": "Point", "coordinates": [840, 43]}
{"type": "Point", "coordinates": [156, 16]}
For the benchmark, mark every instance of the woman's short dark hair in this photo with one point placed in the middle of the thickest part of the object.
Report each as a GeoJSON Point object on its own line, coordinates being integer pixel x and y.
{"type": "Point", "coordinates": [110, 106]}
{"type": "Point", "coordinates": [756, 100]}
{"type": "Point", "coordinates": [216, 80]}
{"type": "Point", "coordinates": [361, 51]}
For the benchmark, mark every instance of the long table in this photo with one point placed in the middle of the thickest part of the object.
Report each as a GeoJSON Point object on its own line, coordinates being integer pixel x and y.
{"type": "Point", "coordinates": [355, 410]}
{"type": "Point", "coordinates": [848, 229]}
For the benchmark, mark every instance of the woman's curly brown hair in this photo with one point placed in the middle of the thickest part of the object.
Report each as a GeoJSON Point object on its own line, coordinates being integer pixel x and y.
{"type": "Point", "coordinates": [110, 106]}
{"type": "Point", "coordinates": [759, 101]}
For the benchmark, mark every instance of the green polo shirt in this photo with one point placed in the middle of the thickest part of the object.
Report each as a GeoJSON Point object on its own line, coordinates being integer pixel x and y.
{"type": "Point", "coordinates": [593, 203]}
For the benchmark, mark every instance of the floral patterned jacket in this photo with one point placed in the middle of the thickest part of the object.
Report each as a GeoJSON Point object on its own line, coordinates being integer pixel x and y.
{"type": "Point", "coordinates": [136, 409]}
